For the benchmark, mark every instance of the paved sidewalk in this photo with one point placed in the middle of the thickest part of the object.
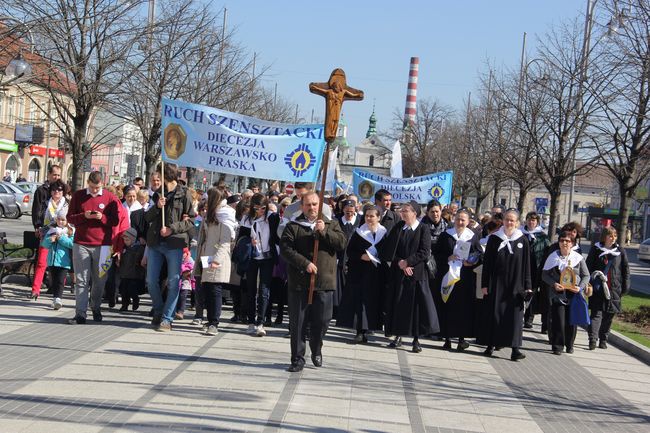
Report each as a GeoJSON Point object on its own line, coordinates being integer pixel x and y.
{"type": "Point", "coordinates": [121, 376]}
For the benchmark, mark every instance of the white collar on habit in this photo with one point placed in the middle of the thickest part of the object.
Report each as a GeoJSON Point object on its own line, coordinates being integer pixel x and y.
{"type": "Point", "coordinates": [531, 233]}
{"type": "Point", "coordinates": [556, 260]}
{"type": "Point", "coordinates": [354, 220]}
{"type": "Point", "coordinates": [466, 235]}
{"type": "Point", "coordinates": [364, 232]}
{"type": "Point", "coordinates": [605, 251]}
{"type": "Point", "coordinates": [501, 234]}
{"type": "Point", "coordinates": [413, 227]}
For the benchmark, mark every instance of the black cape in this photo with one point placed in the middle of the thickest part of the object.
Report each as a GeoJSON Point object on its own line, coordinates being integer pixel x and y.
{"type": "Point", "coordinates": [361, 300]}
{"type": "Point", "coordinates": [409, 306]}
{"type": "Point", "coordinates": [457, 315]}
{"type": "Point", "coordinates": [507, 277]}
{"type": "Point", "coordinates": [341, 257]}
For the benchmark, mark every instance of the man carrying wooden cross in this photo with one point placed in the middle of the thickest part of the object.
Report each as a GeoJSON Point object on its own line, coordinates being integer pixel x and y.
{"type": "Point", "coordinates": [310, 242]}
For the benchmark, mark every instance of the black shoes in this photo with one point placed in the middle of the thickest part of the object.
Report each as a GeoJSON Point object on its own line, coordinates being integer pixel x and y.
{"type": "Point", "coordinates": [124, 308]}
{"type": "Point", "coordinates": [357, 338]}
{"type": "Point", "coordinates": [416, 347]}
{"type": "Point", "coordinates": [155, 322]}
{"type": "Point", "coordinates": [77, 320]}
{"type": "Point", "coordinates": [462, 345]}
{"type": "Point", "coordinates": [602, 344]}
{"type": "Point", "coordinates": [592, 345]}
{"type": "Point", "coordinates": [569, 349]}
{"type": "Point", "coordinates": [294, 368]}
{"type": "Point", "coordinates": [528, 325]}
{"type": "Point", "coordinates": [447, 345]}
{"type": "Point", "coordinates": [317, 360]}
{"type": "Point", "coordinates": [97, 316]}
{"type": "Point", "coordinates": [397, 342]}
{"type": "Point", "coordinates": [516, 355]}
{"type": "Point", "coordinates": [488, 351]}
{"type": "Point", "coordinates": [557, 352]}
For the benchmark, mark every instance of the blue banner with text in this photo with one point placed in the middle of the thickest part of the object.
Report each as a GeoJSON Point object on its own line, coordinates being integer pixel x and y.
{"type": "Point", "coordinates": [420, 189]}
{"type": "Point", "coordinates": [217, 140]}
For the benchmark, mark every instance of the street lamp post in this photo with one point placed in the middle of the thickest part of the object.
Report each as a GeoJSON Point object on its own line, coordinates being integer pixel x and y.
{"type": "Point", "coordinates": [614, 25]}
{"type": "Point", "coordinates": [18, 68]}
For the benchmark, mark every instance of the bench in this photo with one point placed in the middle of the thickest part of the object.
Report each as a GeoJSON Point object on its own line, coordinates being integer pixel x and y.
{"type": "Point", "coordinates": [13, 260]}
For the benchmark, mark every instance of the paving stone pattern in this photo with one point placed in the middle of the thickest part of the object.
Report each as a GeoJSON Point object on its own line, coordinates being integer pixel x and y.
{"type": "Point", "coordinates": [121, 376]}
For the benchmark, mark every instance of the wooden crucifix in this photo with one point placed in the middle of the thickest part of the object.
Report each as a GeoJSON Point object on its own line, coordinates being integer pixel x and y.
{"type": "Point", "coordinates": [335, 91]}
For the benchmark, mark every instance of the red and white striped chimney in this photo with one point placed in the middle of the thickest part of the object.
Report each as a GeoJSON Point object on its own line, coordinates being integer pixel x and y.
{"type": "Point", "coordinates": [411, 92]}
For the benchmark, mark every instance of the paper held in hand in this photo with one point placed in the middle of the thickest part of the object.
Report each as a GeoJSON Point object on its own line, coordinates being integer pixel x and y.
{"type": "Point", "coordinates": [568, 278]}
{"type": "Point", "coordinates": [461, 250]}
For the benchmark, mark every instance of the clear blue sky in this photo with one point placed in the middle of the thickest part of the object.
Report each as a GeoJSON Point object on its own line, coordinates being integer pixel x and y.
{"type": "Point", "coordinates": [373, 42]}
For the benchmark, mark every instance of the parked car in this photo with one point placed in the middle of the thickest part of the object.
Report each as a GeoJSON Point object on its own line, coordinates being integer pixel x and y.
{"type": "Point", "coordinates": [22, 198]}
{"type": "Point", "coordinates": [28, 187]}
{"type": "Point", "coordinates": [9, 207]}
{"type": "Point", "coordinates": [644, 251]}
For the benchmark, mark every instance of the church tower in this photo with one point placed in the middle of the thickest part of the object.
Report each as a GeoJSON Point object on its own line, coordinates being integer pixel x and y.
{"type": "Point", "coordinates": [372, 124]}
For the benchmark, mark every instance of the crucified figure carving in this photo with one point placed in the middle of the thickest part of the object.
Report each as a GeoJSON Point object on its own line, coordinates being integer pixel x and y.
{"type": "Point", "coordinates": [335, 91]}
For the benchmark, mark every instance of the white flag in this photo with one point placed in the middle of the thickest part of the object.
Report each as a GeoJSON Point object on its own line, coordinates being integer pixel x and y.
{"type": "Point", "coordinates": [331, 172]}
{"type": "Point", "coordinates": [396, 162]}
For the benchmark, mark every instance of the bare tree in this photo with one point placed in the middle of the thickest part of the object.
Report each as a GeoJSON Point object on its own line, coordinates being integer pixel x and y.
{"type": "Point", "coordinates": [559, 111]}
{"type": "Point", "coordinates": [517, 132]}
{"type": "Point", "coordinates": [623, 119]}
{"type": "Point", "coordinates": [86, 45]}
{"type": "Point", "coordinates": [422, 150]}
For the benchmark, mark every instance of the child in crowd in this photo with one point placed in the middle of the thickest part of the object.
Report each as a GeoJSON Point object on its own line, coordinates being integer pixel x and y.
{"type": "Point", "coordinates": [58, 241]}
{"type": "Point", "coordinates": [131, 271]}
{"type": "Point", "coordinates": [186, 283]}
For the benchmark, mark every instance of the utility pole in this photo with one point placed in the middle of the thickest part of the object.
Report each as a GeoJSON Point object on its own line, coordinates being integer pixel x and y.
{"type": "Point", "coordinates": [584, 62]}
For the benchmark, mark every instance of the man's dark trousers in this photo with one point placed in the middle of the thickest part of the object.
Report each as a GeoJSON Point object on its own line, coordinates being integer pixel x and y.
{"type": "Point", "coordinates": [317, 316]}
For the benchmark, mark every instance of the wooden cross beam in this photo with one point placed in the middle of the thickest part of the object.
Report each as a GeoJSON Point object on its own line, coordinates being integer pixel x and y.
{"type": "Point", "coordinates": [335, 91]}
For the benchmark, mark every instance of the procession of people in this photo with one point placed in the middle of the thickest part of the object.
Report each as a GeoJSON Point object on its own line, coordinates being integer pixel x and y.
{"type": "Point", "coordinates": [386, 271]}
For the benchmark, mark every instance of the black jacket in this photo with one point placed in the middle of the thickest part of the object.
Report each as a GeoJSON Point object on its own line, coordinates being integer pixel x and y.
{"type": "Point", "coordinates": [618, 278]}
{"type": "Point", "coordinates": [41, 197]}
{"type": "Point", "coordinates": [390, 219]}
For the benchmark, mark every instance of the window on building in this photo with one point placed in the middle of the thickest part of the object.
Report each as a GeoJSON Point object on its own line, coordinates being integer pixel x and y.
{"type": "Point", "coordinates": [20, 115]}
{"type": "Point", "coordinates": [576, 206]}
{"type": "Point", "coordinates": [371, 160]}
{"type": "Point", "coordinates": [10, 109]}
{"type": "Point", "coordinates": [2, 105]}
{"type": "Point", "coordinates": [503, 201]}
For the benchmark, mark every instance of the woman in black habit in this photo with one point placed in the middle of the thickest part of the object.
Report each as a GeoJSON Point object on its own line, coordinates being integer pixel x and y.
{"type": "Point", "coordinates": [349, 220]}
{"type": "Point", "coordinates": [457, 312]}
{"type": "Point", "coordinates": [361, 302]}
{"type": "Point", "coordinates": [506, 282]}
{"type": "Point", "coordinates": [410, 308]}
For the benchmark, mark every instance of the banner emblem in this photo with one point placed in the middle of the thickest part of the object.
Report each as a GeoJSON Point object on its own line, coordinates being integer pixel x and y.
{"type": "Point", "coordinates": [300, 160]}
{"type": "Point", "coordinates": [366, 190]}
{"type": "Point", "coordinates": [437, 191]}
{"type": "Point", "coordinates": [175, 140]}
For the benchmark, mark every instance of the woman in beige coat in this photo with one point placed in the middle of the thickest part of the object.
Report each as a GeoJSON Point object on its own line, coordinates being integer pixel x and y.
{"type": "Point", "coordinates": [213, 251]}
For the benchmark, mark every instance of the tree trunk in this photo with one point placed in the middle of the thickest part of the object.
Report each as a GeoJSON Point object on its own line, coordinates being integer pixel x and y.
{"type": "Point", "coordinates": [554, 211]}
{"type": "Point", "coordinates": [521, 200]}
{"type": "Point", "coordinates": [495, 197]}
{"type": "Point", "coordinates": [626, 191]}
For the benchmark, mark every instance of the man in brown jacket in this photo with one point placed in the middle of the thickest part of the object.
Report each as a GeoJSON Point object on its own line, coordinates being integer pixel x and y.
{"type": "Point", "coordinates": [297, 248]}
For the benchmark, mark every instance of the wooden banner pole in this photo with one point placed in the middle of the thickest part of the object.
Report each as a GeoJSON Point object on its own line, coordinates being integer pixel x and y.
{"type": "Point", "coordinates": [162, 188]}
